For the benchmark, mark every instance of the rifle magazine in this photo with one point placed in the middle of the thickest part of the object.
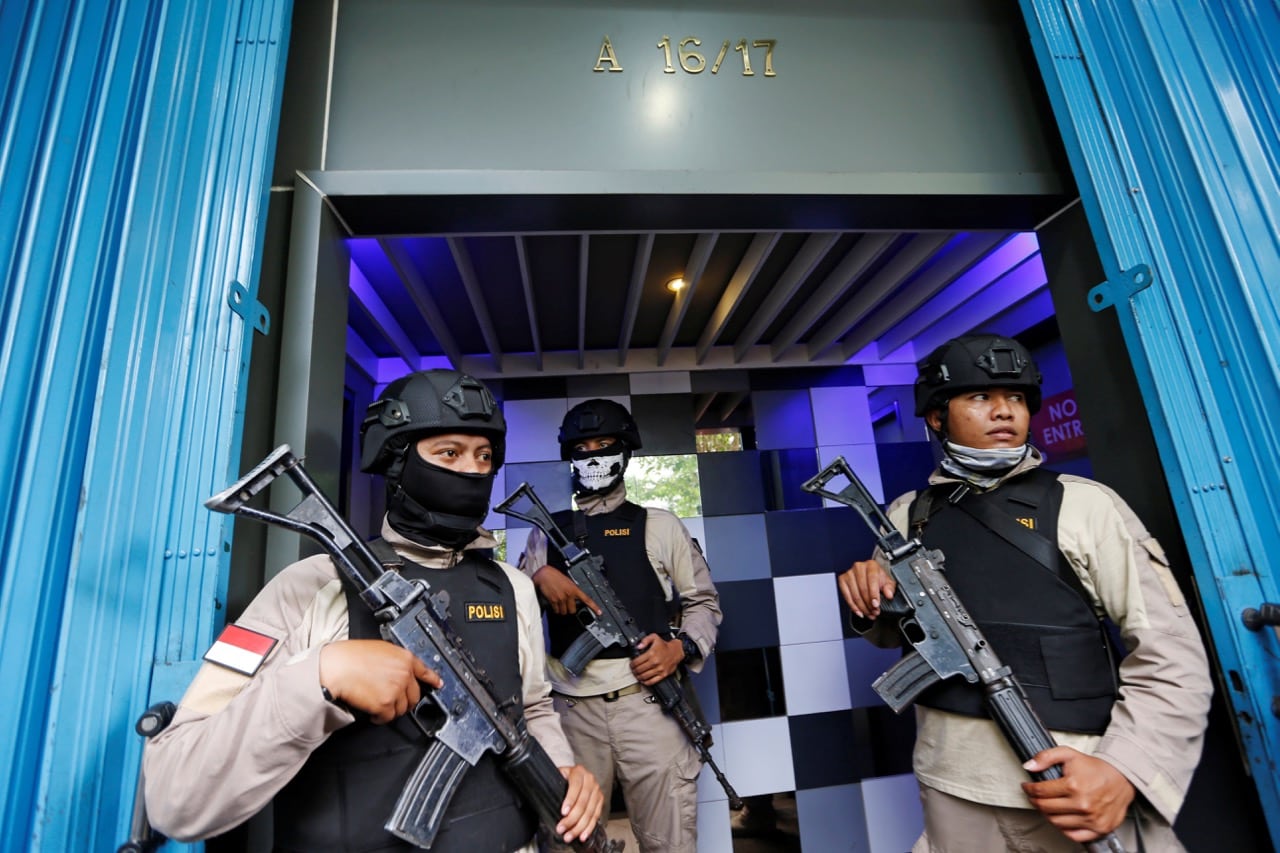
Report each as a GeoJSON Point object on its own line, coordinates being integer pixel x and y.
{"type": "Point", "coordinates": [581, 652]}
{"type": "Point", "coordinates": [904, 681]}
{"type": "Point", "coordinates": [417, 814]}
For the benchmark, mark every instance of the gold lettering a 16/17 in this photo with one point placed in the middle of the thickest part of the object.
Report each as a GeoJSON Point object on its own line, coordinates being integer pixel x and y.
{"type": "Point", "coordinates": [691, 60]}
{"type": "Point", "coordinates": [694, 62]}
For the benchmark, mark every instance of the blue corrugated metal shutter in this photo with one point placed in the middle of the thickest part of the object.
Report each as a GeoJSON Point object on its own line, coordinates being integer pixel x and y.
{"type": "Point", "coordinates": [137, 141]}
{"type": "Point", "coordinates": [1171, 116]}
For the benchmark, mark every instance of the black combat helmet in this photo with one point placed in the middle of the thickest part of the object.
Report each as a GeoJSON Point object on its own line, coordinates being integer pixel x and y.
{"type": "Point", "coordinates": [972, 362]}
{"type": "Point", "coordinates": [596, 419]}
{"type": "Point", "coordinates": [426, 403]}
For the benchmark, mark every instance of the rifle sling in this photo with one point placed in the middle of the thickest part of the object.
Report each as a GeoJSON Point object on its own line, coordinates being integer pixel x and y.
{"type": "Point", "coordinates": [1010, 530]}
{"type": "Point", "coordinates": [1044, 552]}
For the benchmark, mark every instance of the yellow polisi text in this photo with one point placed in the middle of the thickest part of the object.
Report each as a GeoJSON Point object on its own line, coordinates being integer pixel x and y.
{"type": "Point", "coordinates": [479, 612]}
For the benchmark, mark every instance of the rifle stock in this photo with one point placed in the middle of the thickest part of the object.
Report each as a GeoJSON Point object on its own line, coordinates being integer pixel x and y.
{"type": "Point", "coordinates": [947, 642]}
{"type": "Point", "coordinates": [475, 719]}
{"type": "Point", "coordinates": [615, 623]}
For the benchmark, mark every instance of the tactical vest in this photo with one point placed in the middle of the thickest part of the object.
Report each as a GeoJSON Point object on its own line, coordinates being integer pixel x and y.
{"type": "Point", "coordinates": [1036, 617]}
{"type": "Point", "coordinates": [616, 537]}
{"type": "Point", "coordinates": [346, 790]}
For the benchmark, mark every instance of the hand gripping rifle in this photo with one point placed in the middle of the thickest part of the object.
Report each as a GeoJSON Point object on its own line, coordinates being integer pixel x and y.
{"type": "Point", "coordinates": [946, 640]}
{"type": "Point", "coordinates": [614, 626]}
{"type": "Point", "coordinates": [475, 720]}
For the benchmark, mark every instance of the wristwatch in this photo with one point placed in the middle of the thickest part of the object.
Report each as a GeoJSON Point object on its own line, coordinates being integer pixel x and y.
{"type": "Point", "coordinates": [691, 650]}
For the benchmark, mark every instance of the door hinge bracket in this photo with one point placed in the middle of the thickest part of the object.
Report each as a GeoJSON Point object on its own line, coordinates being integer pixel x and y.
{"type": "Point", "coordinates": [246, 304]}
{"type": "Point", "coordinates": [1121, 288]}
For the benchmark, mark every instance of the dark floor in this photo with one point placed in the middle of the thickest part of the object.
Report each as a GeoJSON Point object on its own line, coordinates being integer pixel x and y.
{"type": "Point", "coordinates": [766, 824]}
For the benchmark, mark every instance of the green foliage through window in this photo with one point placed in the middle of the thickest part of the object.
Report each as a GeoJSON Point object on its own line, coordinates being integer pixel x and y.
{"type": "Point", "coordinates": [717, 441]}
{"type": "Point", "coordinates": [670, 482]}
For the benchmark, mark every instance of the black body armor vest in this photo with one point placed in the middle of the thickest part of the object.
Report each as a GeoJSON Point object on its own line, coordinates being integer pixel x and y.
{"type": "Point", "coordinates": [1037, 618]}
{"type": "Point", "coordinates": [616, 537]}
{"type": "Point", "coordinates": [345, 792]}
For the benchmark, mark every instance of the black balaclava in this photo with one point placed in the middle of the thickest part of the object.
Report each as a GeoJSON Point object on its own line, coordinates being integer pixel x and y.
{"type": "Point", "coordinates": [432, 505]}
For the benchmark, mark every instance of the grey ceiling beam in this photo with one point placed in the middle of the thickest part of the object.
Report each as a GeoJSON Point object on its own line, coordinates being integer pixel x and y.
{"type": "Point", "coordinates": [475, 295]}
{"type": "Point", "coordinates": [639, 271]}
{"type": "Point", "coordinates": [729, 404]}
{"type": "Point", "coordinates": [380, 315]}
{"type": "Point", "coordinates": [737, 288]}
{"type": "Point", "coordinates": [584, 249]}
{"type": "Point", "coordinates": [923, 288]}
{"type": "Point", "coordinates": [601, 362]}
{"type": "Point", "coordinates": [680, 305]}
{"type": "Point", "coordinates": [419, 291]}
{"type": "Point", "coordinates": [701, 403]}
{"type": "Point", "coordinates": [811, 253]}
{"type": "Point", "coordinates": [1016, 250]}
{"type": "Point", "coordinates": [888, 279]}
{"type": "Point", "coordinates": [994, 297]}
{"type": "Point", "coordinates": [863, 254]}
{"type": "Point", "coordinates": [530, 304]}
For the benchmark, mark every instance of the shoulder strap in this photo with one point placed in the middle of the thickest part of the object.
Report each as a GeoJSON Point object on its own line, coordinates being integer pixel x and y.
{"type": "Point", "coordinates": [386, 555]}
{"type": "Point", "coordinates": [919, 512]}
{"type": "Point", "coordinates": [577, 520]}
{"type": "Point", "coordinates": [1010, 530]}
{"type": "Point", "coordinates": [928, 501]}
{"type": "Point", "coordinates": [631, 511]}
{"type": "Point", "coordinates": [1037, 484]}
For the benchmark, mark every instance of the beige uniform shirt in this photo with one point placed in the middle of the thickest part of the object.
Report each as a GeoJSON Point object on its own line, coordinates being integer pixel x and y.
{"type": "Point", "coordinates": [1157, 725]}
{"type": "Point", "coordinates": [680, 568]}
{"type": "Point", "coordinates": [236, 740]}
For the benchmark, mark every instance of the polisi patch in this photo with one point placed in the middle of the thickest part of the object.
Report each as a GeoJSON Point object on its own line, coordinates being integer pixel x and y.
{"type": "Point", "coordinates": [617, 531]}
{"type": "Point", "coordinates": [479, 611]}
{"type": "Point", "coordinates": [240, 649]}
{"type": "Point", "coordinates": [1029, 523]}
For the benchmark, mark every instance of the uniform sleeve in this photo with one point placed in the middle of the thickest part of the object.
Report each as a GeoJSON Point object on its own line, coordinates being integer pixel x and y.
{"type": "Point", "coordinates": [1157, 727]}
{"type": "Point", "coordinates": [690, 577]}
{"type": "Point", "coordinates": [237, 740]}
{"type": "Point", "coordinates": [535, 552]}
{"type": "Point", "coordinates": [539, 712]}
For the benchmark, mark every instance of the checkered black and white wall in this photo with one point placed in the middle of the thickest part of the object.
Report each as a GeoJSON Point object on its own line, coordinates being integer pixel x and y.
{"type": "Point", "coordinates": [789, 688]}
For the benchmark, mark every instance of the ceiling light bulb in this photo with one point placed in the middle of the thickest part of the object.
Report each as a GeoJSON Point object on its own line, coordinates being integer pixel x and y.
{"type": "Point", "coordinates": [676, 285]}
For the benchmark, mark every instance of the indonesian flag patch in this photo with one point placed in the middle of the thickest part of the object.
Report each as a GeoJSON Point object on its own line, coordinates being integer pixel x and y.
{"type": "Point", "coordinates": [240, 649]}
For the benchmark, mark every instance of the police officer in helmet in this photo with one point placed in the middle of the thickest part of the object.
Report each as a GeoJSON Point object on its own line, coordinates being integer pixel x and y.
{"type": "Point", "coordinates": [317, 727]}
{"type": "Point", "coordinates": [617, 731]}
{"type": "Point", "coordinates": [1039, 558]}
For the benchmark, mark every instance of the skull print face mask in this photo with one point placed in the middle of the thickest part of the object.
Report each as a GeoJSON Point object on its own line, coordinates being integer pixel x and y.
{"type": "Point", "coordinates": [597, 471]}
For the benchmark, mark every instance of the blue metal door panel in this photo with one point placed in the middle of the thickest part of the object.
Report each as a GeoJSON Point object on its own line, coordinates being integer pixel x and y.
{"type": "Point", "coordinates": [135, 150]}
{"type": "Point", "coordinates": [1171, 117]}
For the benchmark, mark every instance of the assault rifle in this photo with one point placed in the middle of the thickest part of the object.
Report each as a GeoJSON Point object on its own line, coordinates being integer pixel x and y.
{"type": "Point", "coordinates": [947, 642]}
{"type": "Point", "coordinates": [613, 626]}
{"type": "Point", "coordinates": [411, 616]}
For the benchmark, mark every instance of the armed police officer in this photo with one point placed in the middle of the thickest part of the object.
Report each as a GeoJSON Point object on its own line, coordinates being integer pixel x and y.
{"type": "Point", "coordinates": [616, 728]}
{"type": "Point", "coordinates": [1039, 560]}
{"type": "Point", "coordinates": [316, 722]}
